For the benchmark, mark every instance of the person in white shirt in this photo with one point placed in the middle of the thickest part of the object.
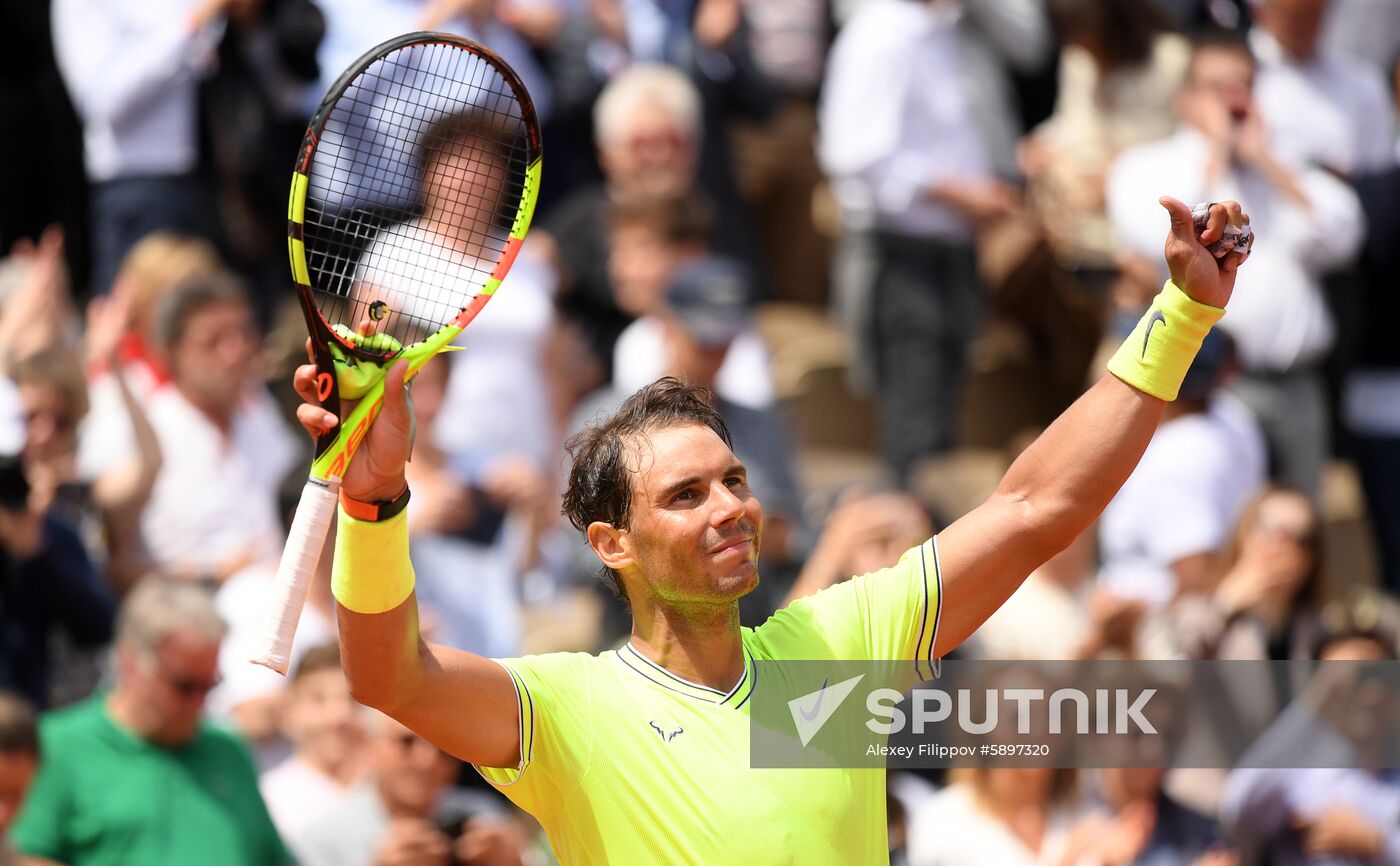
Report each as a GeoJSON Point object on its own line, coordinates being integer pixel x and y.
{"type": "Point", "coordinates": [132, 68]}
{"type": "Point", "coordinates": [917, 136]}
{"type": "Point", "coordinates": [224, 447]}
{"type": "Point", "coordinates": [1307, 222]}
{"type": "Point", "coordinates": [1324, 108]}
{"type": "Point", "coordinates": [1011, 816]}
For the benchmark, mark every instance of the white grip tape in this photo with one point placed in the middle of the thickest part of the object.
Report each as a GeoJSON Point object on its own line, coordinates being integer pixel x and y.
{"type": "Point", "coordinates": [313, 519]}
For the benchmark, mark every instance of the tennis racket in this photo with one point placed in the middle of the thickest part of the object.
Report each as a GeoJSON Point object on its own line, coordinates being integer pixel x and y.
{"type": "Point", "coordinates": [411, 195]}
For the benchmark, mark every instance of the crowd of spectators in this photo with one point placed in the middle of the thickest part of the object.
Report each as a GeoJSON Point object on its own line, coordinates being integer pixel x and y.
{"type": "Point", "coordinates": [917, 222]}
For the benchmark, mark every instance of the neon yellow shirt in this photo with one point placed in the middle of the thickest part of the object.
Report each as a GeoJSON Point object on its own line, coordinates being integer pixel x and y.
{"type": "Point", "coordinates": [624, 763]}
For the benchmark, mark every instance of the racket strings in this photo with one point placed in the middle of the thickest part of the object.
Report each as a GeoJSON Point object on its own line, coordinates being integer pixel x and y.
{"type": "Point", "coordinates": [415, 185]}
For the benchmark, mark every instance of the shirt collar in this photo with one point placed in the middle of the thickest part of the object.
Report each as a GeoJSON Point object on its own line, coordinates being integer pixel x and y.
{"type": "Point", "coordinates": [654, 673]}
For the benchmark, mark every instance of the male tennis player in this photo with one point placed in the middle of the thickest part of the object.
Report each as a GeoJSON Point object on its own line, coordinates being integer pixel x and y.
{"type": "Point", "coordinates": [640, 756]}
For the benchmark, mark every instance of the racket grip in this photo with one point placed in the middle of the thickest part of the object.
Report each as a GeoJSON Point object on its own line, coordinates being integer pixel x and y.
{"type": "Point", "coordinates": [299, 560]}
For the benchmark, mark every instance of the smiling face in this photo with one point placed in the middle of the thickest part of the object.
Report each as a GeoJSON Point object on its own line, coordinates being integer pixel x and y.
{"type": "Point", "coordinates": [693, 534]}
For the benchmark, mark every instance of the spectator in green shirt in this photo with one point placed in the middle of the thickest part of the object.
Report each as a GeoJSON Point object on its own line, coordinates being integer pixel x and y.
{"type": "Point", "coordinates": [136, 775]}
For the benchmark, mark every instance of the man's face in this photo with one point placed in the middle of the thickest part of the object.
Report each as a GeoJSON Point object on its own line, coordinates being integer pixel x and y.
{"type": "Point", "coordinates": [655, 156]}
{"type": "Point", "coordinates": [411, 771]}
{"type": "Point", "coordinates": [171, 683]}
{"type": "Point", "coordinates": [322, 719]}
{"type": "Point", "coordinates": [695, 524]}
{"type": "Point", "coordinates": [16, 771]}
{"type": "Point", "coordinates": [1219, 88]}
{"type": "Point", "coordinates": [640, 263]}
{"type": "Point", "coordinates": [213, 361]}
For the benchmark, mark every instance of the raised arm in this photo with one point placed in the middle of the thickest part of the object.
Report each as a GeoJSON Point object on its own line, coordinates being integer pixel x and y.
{"type": "Point", "coordinates": [1061, 484]}
{"type": "Point", "coordinates": [463, 703]}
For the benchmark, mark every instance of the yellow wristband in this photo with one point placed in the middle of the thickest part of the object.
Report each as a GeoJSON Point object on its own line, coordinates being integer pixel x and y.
{"type": "Point", "coordinates": [1155, 357]}
{"type": "Point", "coordinates": [372, 572]}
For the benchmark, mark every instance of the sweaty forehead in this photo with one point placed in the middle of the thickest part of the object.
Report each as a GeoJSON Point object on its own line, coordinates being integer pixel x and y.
{"type": "Point", "coordinates": [658, 458]}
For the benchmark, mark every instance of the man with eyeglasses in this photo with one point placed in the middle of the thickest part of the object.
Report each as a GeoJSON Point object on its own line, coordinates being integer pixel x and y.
{"type": "Point", "coordinates": [136, 775]}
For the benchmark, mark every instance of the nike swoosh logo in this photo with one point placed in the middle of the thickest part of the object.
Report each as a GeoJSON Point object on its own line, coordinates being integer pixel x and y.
{"type": "Point", "coordinates": [1157, 316]}
{"type": "Point", "coordinates": [816, 708]}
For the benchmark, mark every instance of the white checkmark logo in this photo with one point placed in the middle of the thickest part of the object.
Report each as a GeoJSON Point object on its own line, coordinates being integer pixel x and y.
{"type": "Point", "coordinates": [812, 711]}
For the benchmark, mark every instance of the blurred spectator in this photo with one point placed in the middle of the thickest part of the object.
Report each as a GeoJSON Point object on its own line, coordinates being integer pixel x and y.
{"type": "Point", "coordinates": [1306, 222]}
{"type": "Point", "coordinates": [252, 113]}
{"type": "Point", "coordinates": [1321, 108]}
{"type": "Point", "coordinates": [1267, 603]}
{"type": "Point", "coordinates": [53, 395]}
{"type": "Point", "coordinates": [47, 585]}
{"type": "Point", "coordinates": [1147, 827]}
{"type": "Point", "coordinates": [648, 240]}
{"type": "Point", "coordinates": [1011, 816]}
{"type": "Point", "coordinates": [652, 241]}
{"type": "Point", "coordinates": [1345, 811]}
{"type": "Point", "coordinates": [123, 322]}
{"type": "Point", "coordinates": [708, 41]}
{"type": "Point", "coordinates": [864, 533]}
{"type": "Point", "coordinates": [132, 68]}
{"type": "Point", "coordinates": [219, 435]}
{"type": "Point", "coordinates": [1119, 71]}
{"type": "Point", "coordinates": [118, 450]}
{"type": "Point", "coordinates": [324, 724]}
{"type": "Point", "coordinates": [920, 169]}
{"type": "Point", "coordinates": [135, 776]}
{"type": "Point", "coordinates": [1160, 535]}
{"type": "Point", "coordinates": [468, 572]}
{"type": "Point", "coordinates": [648, 126]}
{"type": "Point", "coordinates": [406, 813]}
{"type": "Point", "coordinates": [19, 760]}
{"type": "Point", "coordinates": [775, 160]}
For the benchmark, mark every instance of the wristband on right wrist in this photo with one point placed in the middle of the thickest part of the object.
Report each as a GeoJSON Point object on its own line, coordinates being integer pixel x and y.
{"type": "Point", "coordinates": [372, 572]}
{"type": "Point", "coordinates": [1155, 357]}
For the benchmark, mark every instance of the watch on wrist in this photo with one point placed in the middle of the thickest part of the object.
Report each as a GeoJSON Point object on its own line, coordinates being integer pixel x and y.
{"type": "Point", "coordinates": [376, 510]}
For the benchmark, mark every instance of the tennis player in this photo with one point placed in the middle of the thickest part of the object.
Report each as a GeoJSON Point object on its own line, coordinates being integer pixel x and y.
{"type": "Point", "coordinates": [641, 756]}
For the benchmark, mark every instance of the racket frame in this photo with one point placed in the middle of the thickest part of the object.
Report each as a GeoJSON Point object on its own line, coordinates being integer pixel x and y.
{"type": "Point", "coordinates": [333, 355]}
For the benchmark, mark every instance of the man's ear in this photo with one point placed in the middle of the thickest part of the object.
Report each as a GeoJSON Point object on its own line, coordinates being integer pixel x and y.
{"type": "Point", "coordinates": [611, 544]}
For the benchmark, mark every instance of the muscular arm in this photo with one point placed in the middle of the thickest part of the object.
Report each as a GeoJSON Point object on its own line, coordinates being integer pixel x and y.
{"type": "Point", "coordinates": [1051, 494]}
{"type": "Point", "coordinates": [463, 703]}
{"type": "Point", "coordinates": [1061, 484]}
